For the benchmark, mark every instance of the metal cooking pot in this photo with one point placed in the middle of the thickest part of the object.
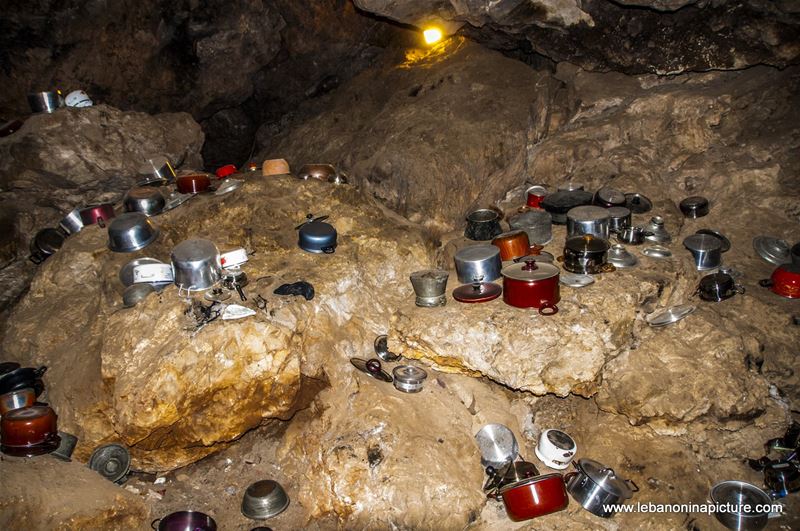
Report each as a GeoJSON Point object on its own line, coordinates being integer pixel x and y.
{"type": "Point", "coordinates": [430, 286]}
{"type": "Point", "coordinates": [586, 255]}
{"type": "Point", "coordinates": [706, 250]}
{"type": "Point", "coordinates": [196, 264]}
{"type": "Point", "coordinates": [156, 170]}
{"type": "Point", "coordinates": [497, 444]}
{"type": "Point", "coordinates": [537, 223]}
{"type": "Point", "coordinates": [316, 236]}
{"type": "Point", "coordinates": [193, 184]}
{"type": "Point", "coordinates": [185, 521]}
{"type": "Point", "coordinates": [22, 377]}
{"type": "Point", "coordinates": [44, 244]}
{"type": "Point", "coordinates": [694, 207]}
{"type": "Point", "coordinates": [728, 494]}
{"type": "Point", "coordinates": [562, 201]}
{"type": "Point", "coordinates": [534, 195]}
{"type": "Point", "coordinates": [45, 101]}
{"type": "Point", "coordinates": [514, 244]}
{"type": "Point", "coordinates": [483, 225]}
{"type": "Point", "coordinates": [323, 172]}
{"type": "Point", "coordinates": [588, 219]}
{"type": "Point", "coordinates": [97, 214]}
{"type": "Point", "coordinates": [145, 199]}
{"type": "Point", "coordinates": [718, 287]}
{"type": "Point", "coordinates": [534, 497]}
{"type": "Point", "coordinates": [478, 262]}
{"type": "Point", "coordinates": [511, 472]}
{"type": "Point", "coordinates": [130, 232]}
{"type": "Point", "coordinates": [532, 285]}
{"type": "Point", "coordinates": [632, 235]}
{"type": "Point", "coordinates": [658, 231]}
{"type": "Point", "coordinates": [618, 218]}
{"type": "Point", "coordinates": [785, 281]}
{"type": "Point", "coordinates": [71, 223]}
{"type": "Point", "coordinates": [596, 487]}
{"type": "Point", "coordinates": [608, 197]}
{"type": "Point", "coordinates": [29, 431]}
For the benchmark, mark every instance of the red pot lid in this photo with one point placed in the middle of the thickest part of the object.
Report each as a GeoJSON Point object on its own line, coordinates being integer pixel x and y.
{"type": "Point", "coordinates": [530, 270]}
{"type": "Point", "coordinates": [478, 292]}
{"type": "Point", "coordinates": [226, 170]}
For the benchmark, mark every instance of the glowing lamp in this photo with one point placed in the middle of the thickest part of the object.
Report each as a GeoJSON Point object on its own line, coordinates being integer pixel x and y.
{"type": "Point", "coordinates": [432, 35]}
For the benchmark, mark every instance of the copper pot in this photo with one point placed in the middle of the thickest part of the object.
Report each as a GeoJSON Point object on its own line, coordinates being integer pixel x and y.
{"type": "Point", "coordinates": [193, 184]}
{"type": "Point", "coordinates": [514, 244]}
{"type": "Point", "coordinates": [29, 431]}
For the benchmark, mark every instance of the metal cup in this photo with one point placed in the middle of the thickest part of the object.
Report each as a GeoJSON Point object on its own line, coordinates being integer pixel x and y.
{"type": "Point", "coordinates": [430, 286]}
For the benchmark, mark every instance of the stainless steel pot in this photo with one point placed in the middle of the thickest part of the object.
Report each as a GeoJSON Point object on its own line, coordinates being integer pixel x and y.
{"type": "Point", "coordinates": [728, 494]}
{"type": "Point", "coordinates": [45, 101]}
{"type": "Point", "coordinates": [588, 219]}
{"type": "Point", "coordinates": [145, 199]}
{"type": "Point", "coordinates": [618, 218]}
{"type": "Point", "coordinates": [632, 235]}
{"type": "Point", "coordinates": [72, 222]}
{"type": "Point", "coordinates": [130, 232]}
{"type": "Point", "coordinates": [608, 197]}
{"type": "Point", "coordinates": [706, 250]}
{"type": "Point", "coordinates": [658, 231]}
{"type": "Point", "coordinates": [478, 262]}
{"type": "Point", "coordinates": [430, 286]}
{"type": "Point", "coordinates": [595, 487]}
{"type": "Point", "coordinates": [196, 264]}
{"type": "Point", "coordinates": [586, 255]}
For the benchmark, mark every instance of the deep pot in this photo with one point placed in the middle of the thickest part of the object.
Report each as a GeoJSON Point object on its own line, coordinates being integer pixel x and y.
{"type": "Point", "coordinates": [483, 225]}
{"type": "Point", "coordinates": [586, 255]}
{"type": "Point", "coordinates": [478, 262]}
{"type": "Point", "coordinates": [532, 284]}
{"type": "Point", "coordinates": [595, 487]}
{"type": "Point", "coordinates": [534, 497]}
{"type": "Point", "coordinates": [196, 265]}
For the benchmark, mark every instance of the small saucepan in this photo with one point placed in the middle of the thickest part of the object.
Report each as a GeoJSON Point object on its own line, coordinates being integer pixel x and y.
{"type": "Point", "coordinates": [514, 244]}
{"type": "Point", "coordinates": [482, 225]}
{"type": "Point", "coordinates": [193, 183]}
{"type": "Point", "coordinates": [534, 497]}
{"type": "Point", "coordinates": [29, 431]}
{"type": "Point", "coordinates": [145, 199]}
{"type": "Point", "coordinates": [586, 255]}
{"type": "Point", "coordinates": [718, 287]}
{"type": "Point", "coordinates": [785, 281]}
{"type": "Point", "coordinates": [44, 244]}
{"type": "Point", "coordinates": [98, 214]}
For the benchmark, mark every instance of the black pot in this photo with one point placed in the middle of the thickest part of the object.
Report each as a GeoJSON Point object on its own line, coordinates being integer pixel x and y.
{"type": "Point", "coordinates": [694, 207]}
{"type": "Point", "coordinates": [45, 243]}
{"type": "Point", "coordinates": [608, 197]}
{"type": "Point", "coordinates": [562, 201]}
{"type": "Point", "coordinates": [795, 253]}
{"type": "Point", "coordinates": [718, 287]}
{"type": "Point", "coordinates": [586, 255]}
{"type": "Point", "coordinates": [22, 378]}
{"type": "Point", "coordinates": [315, 236]}
{"type": "Point", "coordinates": [482, 225]}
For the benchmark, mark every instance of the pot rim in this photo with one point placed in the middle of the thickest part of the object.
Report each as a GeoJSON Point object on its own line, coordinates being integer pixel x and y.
{"type": "Point", "coordinates": [529, 481]}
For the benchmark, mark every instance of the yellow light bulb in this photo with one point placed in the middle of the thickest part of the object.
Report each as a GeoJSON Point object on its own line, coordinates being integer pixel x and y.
{"type": "Point", "coordinates": [432, 35]}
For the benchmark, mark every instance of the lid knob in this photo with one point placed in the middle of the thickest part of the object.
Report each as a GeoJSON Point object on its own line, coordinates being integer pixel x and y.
{"type": "Point", "coordinates": [373, 366]}
{"type": "Point", "coordinates": [530, 265]}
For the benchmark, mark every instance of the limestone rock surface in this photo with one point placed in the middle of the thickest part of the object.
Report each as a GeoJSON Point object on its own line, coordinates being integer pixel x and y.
{"type": "Point", "coordinates": [76, 157]}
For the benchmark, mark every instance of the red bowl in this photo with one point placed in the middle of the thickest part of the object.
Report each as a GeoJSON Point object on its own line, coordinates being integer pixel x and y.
{"type": "Point", "coordinates": [193, 184]}
{"type": "Point", "coordinates": [97, 214]}
{"type": "Point", "coordinates": [786, 281]}
{"type": "Point", "coordinates": [534, 497]}
{"type": "Point", "coordinates": [29, 426]}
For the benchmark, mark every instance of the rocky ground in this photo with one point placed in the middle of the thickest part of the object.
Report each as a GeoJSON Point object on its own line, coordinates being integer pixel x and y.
{"type": "Point", "coordinates": [274, 396]}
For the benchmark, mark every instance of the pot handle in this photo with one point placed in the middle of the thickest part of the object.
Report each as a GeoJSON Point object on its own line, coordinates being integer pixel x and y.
{"type": "Point", "coordinates": [765, 283]}
{"type": "Point", "coordinates": [740, 289]}
{"type": "Point", "coordinates": [607, 268]}
{"type": "Point", "coordinates": [40, 371]}
{"type": "Point", "coordinates": [548, 309]}
{"type": "Point", "coordinates": [328, 250]}
{"type": "Point", "coordinates": [631, 485]}
{"type": "Point", "coordinates": [36, 258]}
{"type": "Point", "coordinates": [101, 222]}
{"type": "Point", "coordinates": [153, 523]}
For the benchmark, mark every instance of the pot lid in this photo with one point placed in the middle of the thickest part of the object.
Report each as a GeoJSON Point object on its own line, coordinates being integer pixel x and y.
{"type": "Point", "coordinates": [49, 240]}
{"type": "Point", "coordinates": [371, 368]}
{"type": "Point", "coordinates": [657, 251]}
{"type": "Point", "coordinates": [318, 230]}
{"type": "Point", "coordinates": [739, 493]}
{"type": "Point", "coordinates": [563, 201]}
{"type": "Point", "coordinates": [726, 243]}
{"type": "Point", "coordinates": [619, 256]}
{"type": "Point", "coordinates": [228, 185]}
{"type": "Point", "coordinates": [586, 243]}
{"type": "Point", "coordinates": [574, 280]}
{"type": "Point", "coordinates": [605, 478]}
{"type": "Point", "coordinates": [483, 215]}
{"type": "Point", "coordinates": [670, 315]}
{"type": "Point", "coordinates": [587, 213]}
{"type": "Point", "coordinates": [618, 212]}
{"type": "Point", "coordinates": [477, 292]}
{"type": "Point", "coordinates": [477, 253]}
{"type": "Point", "coordinates": [542, 256]}
{"type": "Point", "coordinates": [570, 187]}
{"type": "Point", "coordinates": [773, 250]}
{"type": "Point", "coordinates": [530, 271]}
{"type": "Point", "coordinates": [408, 374]}
{"type": "Point", "coordinates": [702, 242]}
{"type": "Point", "coordinates": [381, 346]}
{"type": "Point", "coordinates": [611, 196]}
{"type": "Point", "coordinates": [637, 203]}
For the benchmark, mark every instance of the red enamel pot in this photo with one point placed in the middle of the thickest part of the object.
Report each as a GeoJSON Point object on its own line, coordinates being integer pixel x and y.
{"type": "Point", "coordinates": [29, 431]}
{"type": "Point", "coordinates": [535, 195]}
{"type": "Point", "coordinates": [785, 281]}
{"type": "Point", "coordinates": [532, 284]}
{"type": "Point", "coordinates": [193, 184]}
{"type": "Point", "coordinates": [97, 214]}
{"type": "Point", "coordinates": [534, 497]}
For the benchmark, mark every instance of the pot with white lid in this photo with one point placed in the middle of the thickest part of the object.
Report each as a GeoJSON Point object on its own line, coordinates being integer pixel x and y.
{"type": "Point", "coordinates": [598, 488]}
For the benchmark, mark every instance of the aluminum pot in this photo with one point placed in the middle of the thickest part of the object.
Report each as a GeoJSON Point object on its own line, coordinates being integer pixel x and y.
{"type": "Point", "coordinates": [728, 494]}
{"type": "Point", "coordinates": [718, 287]}
{"type": "Point", "coordinates": [130, 232]}
{"type": "Point", "coordinates": [478, 262]}
{"type": "Point", "coordinates": [98, 214]}
{"type": "Point", "coordinates": [193, 183]}
{"type": "Point", "coordinates": [157, 170]}
{"type": "Point", "coordinates": [429, 287]}
{"type": "Point", "coordinates": [785, 281]}
{"type": "Point", "coordinates": [196, 264]}
{"type": "Point", "coordinates": [145, 199]}
{"type": "Point", "coordinates": [185, 521]}
{"type": "Point", "coordinates": [618, 218]}
{"type": "Point", "coordinates": [45, 101]}
{"type": "Point", "coordinates": [694, 207]}
{"type": "Point", "coordinates": [72, 222]}
{"type": "Point", "coordinates": [514, 244]}
{"type": "Point", "coordinates": [588, 219]}
{"type": "Point", "coordinates": [595, 487]}
{"type": "Point", "coordinates": [532, 285]}
{"type": "Point", "coordinates": [483, 225]}
{"type": "Point", "coordinates": [586, 255]}
{"type": "Point", "coordinates": [534, 497]}
{"type": "Point", "coordinates": [632, 235]}
{"type": "Point", "coordinates": [706, 250]}
{"type": "Point", "coordinates": [44, 244]}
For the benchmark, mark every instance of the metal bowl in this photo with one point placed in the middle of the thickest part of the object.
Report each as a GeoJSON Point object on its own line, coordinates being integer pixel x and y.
{"type": "Point", "coordinates": [264, 499]}
{"type": "Point", "coordinates": [323, 172]}
{"type": "Point", "coordinates": [130, 232]}
{"type": "Point", "coordinates": [72, 222]}
{"type": "Point", "coordinates": [112, 461]}
{"type": "Point", "coordinates": [737, 494]}
{"type": "Point", "coordinates": [145, 199]}
{"type": "Point", "coordinates": [185, 521]}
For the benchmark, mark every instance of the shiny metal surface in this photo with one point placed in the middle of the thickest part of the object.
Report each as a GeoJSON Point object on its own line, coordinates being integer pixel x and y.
{"type": "Point", "coordinates": [145, 199]}
{"type": "Point", "coordinates": [588, 219]}
{"type": "Point", "coordinates": [196, 264]}
{"type": "Point", "coordinates": [669, 315]}
{"type": "Point", "coordinates": [706, 250]}
{"type": "Point", "coordinates": [735, 494]}
{"type": "Point", "coordinates": [317, 237]}
{"type": "Point", "coordinates": [126, 271]}
{"type": "Point", "coordinates": [45, 101]}
{"type": "Point", "coordinates": [130, 232]}
{"type": "Point", "coordinates": [136, 293]}
{"type": "Point", "coordinates": [264, 499]}
{"type": "Point", "coordinates": [536, 222]}
{"type": "Point", "coordinates": [478, 262]}
{"type": "Point", "coordinates": [430, 286]}
{"type": "Point", "coordinates": [497, 444]}
{"type": "Point", "coordinates": [618, 218]}
{"type": "Point", "coordinates": [595, 487]}
{"type": "Point", "coordinates": [72, 222]}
